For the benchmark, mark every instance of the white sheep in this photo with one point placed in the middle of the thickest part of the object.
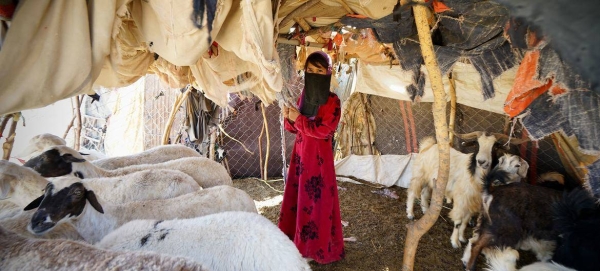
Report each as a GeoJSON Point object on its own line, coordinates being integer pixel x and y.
{"type": "Point", "coordinates": [62, 160]}
{"type": "Point", "coordinates": [19, 222]}
{"type": "Point", "coordinates": [154, 155]}
{"type": "Point", "coordinates": [20, 253]}
{"type": "Point", "coordinates": [21, 185]}
{"type": "Point", "coordinates": [464, 180]}
{"type": "Point", "coordinates": [225, 241]}
{"type": "Point", "coordinates": [8, 209]}
{"type": "Point", "coordinates": [505, 259]}
{"type": "Point", "coordinates": [142, 185]}
{"type": "Point", "coordinates": [67, 200]}
{"type": "Point", "coordinates": [39, 143]}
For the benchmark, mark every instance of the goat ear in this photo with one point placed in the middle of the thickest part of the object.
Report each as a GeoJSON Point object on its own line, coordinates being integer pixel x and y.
{"type": "Point", "coordinates": [523, 168]}
{"type": "Point", "coordinates": [72, 159]}
{"type": "Point", "coordinates": [91, 197]}
{"type": "Point", "coordinates": [34, 204]}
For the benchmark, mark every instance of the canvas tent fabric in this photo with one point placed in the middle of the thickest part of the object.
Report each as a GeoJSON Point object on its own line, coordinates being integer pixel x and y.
{"type": "Point", "coordinates": [394, 82]}
{"type": "Point", "coordinates": [66, 45]}
{"type": "Point", "coordinates": [387, 170]}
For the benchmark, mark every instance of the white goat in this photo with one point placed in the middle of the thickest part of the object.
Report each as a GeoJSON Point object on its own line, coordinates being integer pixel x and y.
{"type": "Point", "coordinates": [464, 181]}
{"type": "Point", "coordinates": [20, 253]}
{"type": "Point", "coordinates": [62, 160]}
{"type": "Point", "coordinates": [514, 165]}
{"type": "Point", "coordinates": [154, 155]}
{"type": "Point", "coordinates": [225, 241]}
{"type": "Point", "coordinates": [67, 200]}
{"type": "Point", "coordinates": [505, 259]}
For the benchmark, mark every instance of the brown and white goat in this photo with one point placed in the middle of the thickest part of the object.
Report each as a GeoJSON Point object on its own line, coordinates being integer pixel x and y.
{"type": "Point", "coordinates": [464, 181]}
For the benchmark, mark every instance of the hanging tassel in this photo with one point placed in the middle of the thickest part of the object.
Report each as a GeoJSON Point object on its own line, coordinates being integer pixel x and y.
{"type": "Point", "coordinates": [201, 6]}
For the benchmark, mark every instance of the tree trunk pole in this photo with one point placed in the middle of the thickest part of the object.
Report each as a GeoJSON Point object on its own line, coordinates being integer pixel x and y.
{"type": "Point", "coordinates": [78, 123]}
{"type": "Point", "coordinates": [10, 140]}
{"type": "Point", "coordinates": [417, 229]}
{"type": "Point", "coordinates": [452, 107]}
{"type": "Point", "coordinates": [178, 102]}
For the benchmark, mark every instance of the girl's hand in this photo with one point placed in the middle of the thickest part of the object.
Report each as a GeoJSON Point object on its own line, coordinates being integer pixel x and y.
{"type": "Point", "coordinates": [293, 114]}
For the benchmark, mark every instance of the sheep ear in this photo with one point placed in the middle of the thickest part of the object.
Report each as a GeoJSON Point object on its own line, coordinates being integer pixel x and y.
{"type": "Point", "coordinates": [72, 159]}
{"type": "Point", "coordinates": [523, 168]}
{"type": "Point", "coordinates": [84, 153]}
{"type": "Point", "coordinates": [5, 186]}
{"type": "Point", "coordinates": [91, 197]}
{"type": "Point", "coordinates": [34, 204]}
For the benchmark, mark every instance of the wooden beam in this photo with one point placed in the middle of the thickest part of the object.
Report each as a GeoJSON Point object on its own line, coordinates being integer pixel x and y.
{"type": "Point", "coordinates": [296, 12]}
{"type": "Point", "coordinates": [346, 7]}
{"type": "Point", "coordinates": [452, 108]}
{"type": "Point", "coordinates": [302, 23]}
{"type": "Point", "coordinates": [417, 229]}
{"type": "Point", "coordinates": [283, 40]}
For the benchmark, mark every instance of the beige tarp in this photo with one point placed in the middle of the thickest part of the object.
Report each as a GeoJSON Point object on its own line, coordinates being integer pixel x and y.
{"type": "Point", "coordinates": [54, 49]}
{"type": "Point", "coordinates": [391, 82]}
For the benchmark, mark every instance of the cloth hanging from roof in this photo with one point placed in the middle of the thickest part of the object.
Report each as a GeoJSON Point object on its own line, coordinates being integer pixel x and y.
{"type": "Point", "coordinates": [243, 48]}
{"type": "Point", "coordinates": [53, 50]}
{"type": "Point", "coordinates": [129, 57]}
{"type": "Point", "coordinates": [167, 28]}
{"type": "Point", "coordinates": [575, 113]}
{"type": "Point", "coordinates": [470, 29]}
{"type": "Point", "coordinates": [201, 115]}
{"type": "Point", "coordinates": [173, 76]}
{"type": "Point", "coordinates": [574, 161]}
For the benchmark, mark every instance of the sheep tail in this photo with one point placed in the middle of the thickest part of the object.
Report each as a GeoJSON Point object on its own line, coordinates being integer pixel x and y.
{"type": "Point", "coordinates": [574, 206]}
{"type": "Point", "coordinates": [426, 143]}
{"type": "Point", "coordinates": [494, 177]}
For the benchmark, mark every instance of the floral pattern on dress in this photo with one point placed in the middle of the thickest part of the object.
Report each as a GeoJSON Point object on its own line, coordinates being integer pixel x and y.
{"type": "Point", "coordinates": [309, 231]}
{"type": "Point", "coordinates": [313, 188]}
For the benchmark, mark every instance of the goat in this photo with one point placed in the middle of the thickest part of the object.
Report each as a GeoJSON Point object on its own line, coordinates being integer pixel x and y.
{"type": "Point", "coordinates": [62, 160]}
{"type": "Point", "coordinates": [156, 155]}
{"type": "Point", "coordinates": [217, 241]}
{"type": "Point", "coordinates": [577, 221]}
{"type": "Point", "coordinates": [516, 215]}
{"type": "Point", "coordinates": [464, 181]}
{"type": "Point", "coordinates": [66, 200]}
{"type": "Point", "coordinates": [20, 253]}
{"type": "Point", "coordinates": [505, 259]}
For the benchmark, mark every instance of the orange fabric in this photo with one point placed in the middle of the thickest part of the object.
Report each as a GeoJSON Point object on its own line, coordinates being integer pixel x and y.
{"type": "Point", "coordinates": [439, 7]}
{"type": "Point", "coordinates": [526, 87]}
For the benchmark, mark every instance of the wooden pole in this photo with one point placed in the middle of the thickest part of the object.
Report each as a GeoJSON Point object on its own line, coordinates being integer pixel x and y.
{"type": "Point", "coordinates": [8, 144]}
{"type": "Point", "coordinates": [211, 147]}
{"type": "Point", "coordinates": [452, 108]}
{"type": "Point", "coordinates": [298, 11]}
{"type": "Point", "coordinates": [77, 112]}
{"type": "Point", "coordinates": [266, 124]}
{"type": "Point", "coordinates": [5, 120]}
{"type": "Point", "coordinates": [260, 158]}
{"type": "Point", "coordinates": [417, 229]}
{"type": "Point", "coordinates": [180, 99]}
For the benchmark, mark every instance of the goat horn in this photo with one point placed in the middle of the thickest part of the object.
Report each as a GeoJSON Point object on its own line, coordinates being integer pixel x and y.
{"type": "Point", "coordinates": [515, 141]}
{"type": "Point", "coordinates": [469, 136]}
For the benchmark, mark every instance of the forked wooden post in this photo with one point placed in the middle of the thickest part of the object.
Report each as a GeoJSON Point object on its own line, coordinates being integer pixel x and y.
{"type": "Point", "coordinates": [417, 229]}
{"type": "Point", "coordinates": [78, 124]}
{"type": "Point", "coordinates": [180, 99]}
{"type": "Point", "coordinates": [10, 139]}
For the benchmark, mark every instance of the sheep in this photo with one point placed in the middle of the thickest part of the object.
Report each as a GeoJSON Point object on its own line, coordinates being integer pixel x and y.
{"type": "Point", "coordinates": [21, 185]}
{"type": "Point", "coordinates": [505, 259]}
{"type": "Point", "coordinates": [8, 209]}
{"type": "Point", "coordinates": [66, 200]}
{"type": "Point", "coordinates": [39, 143]}
{"type": "Point", "coordinates": [225, 241]}
{"type": "Point", "coordinates": [19, 222]}
{"type": "Point", "coordinates": [577, 220]}
{"type": "Point", "coordinates": [516, 215]}
{"type": "Point", "coordinates": [464, 181]}
{"type": "Point", "coordinates": [62, 160]}
{"type": "Point", "coordinates": [20, 253]}
{"type": "Point", "coordinates": [154, 155]}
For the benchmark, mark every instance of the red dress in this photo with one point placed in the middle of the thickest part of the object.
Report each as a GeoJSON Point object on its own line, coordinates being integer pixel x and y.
{"type": "Point", "coordinates": [310, 212]}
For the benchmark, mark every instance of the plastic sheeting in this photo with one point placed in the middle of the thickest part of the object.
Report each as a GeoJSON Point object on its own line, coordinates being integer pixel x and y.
{"type": "Point", "coordinates": [387, 170]}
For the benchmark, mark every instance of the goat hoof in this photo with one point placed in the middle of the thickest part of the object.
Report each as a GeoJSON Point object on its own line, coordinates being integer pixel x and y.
{"type": "Point", "coordinates": [411, 217]}
{"type": "Point", "coordinates": [456, 244]}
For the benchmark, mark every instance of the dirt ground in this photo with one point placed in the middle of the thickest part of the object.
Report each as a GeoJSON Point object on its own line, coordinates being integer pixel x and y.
{"type": "Point", "coordinates": [378, 223]}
